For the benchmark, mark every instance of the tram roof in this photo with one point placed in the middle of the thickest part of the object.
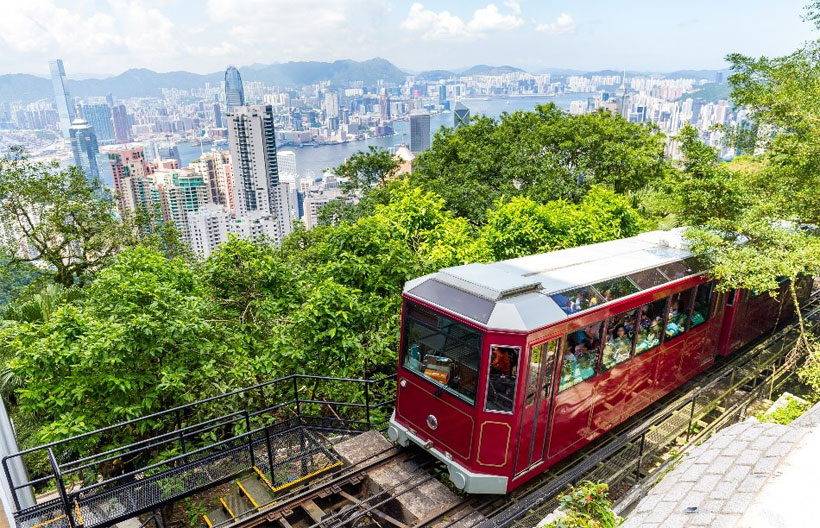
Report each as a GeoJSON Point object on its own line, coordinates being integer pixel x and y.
{"type": "Point", "coordinates": [528, 293]}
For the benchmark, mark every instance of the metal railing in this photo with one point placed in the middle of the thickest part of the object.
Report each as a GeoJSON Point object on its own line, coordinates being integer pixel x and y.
{"type": "Point", "coordinates": [136, 466]}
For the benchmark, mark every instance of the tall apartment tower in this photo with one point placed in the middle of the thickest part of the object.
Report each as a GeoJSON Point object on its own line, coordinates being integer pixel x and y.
{"type": "Point", "coordinates": [255, 169]}
{"type": "Point", "coordinates": [85, 148]}
{"type": "Point", "coordinates": [234, 92]}
{"type": "Point", "coordinates": [65, 108]}
{"type": "Point", "coordinates": [419, 132]}
{"type": "Point", "coordinates": [122, 128]}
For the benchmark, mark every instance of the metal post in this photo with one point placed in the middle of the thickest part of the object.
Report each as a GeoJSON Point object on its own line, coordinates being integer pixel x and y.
{"type": "Point", "coordinates": [58, 478]}
{"type": "Point", "coordinates": [296, 399]}
{"type": "Point", "coordinates": [179, 428]}
{"type": "Point", "coordinates": [691, 416]}
{"type": "Point", "coordinates": [640, 459]}
{"type": "Point", "coordinates": [302, 451]}
{"type": "Point", "coordinates": [367, 402]}
{"type": "Point", "coordinates": [11, 484]}
{"type": "Point", "coordinates": [270, 455]}
{"type": "Point", "coordinates": [250, 436]}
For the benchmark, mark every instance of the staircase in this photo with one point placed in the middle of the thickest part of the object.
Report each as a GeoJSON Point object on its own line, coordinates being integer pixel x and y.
{"type": "Point", "coordinates": [245, 497]}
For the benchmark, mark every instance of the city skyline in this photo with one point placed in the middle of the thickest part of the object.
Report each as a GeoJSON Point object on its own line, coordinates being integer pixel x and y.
{"type": "Point", "coordinates": [185, 36]}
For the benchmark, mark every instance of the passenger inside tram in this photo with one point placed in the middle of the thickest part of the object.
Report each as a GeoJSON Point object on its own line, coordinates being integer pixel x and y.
{"type": "Point", "coordinates": [503, 375]}
{"type": "Point", "coordinates": [651, 327]}
{"type": "Point", "coordinates": [618, 347]}
{"type": "Point", "coordinates": [581, 355]}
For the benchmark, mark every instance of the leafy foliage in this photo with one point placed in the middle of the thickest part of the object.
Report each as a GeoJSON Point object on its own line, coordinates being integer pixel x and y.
{"type": "Point", "coordinates": [544, 154]}
{"type": "Point", "coordinates": [585, 506]}
{"type": "Point", "coordinates": [58, 217]}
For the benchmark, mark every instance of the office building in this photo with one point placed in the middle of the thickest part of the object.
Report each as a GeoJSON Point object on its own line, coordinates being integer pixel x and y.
{"type": "Point", "coordinates": [85, 148]}
{"type": "Point", "coordinates": [133, 187]}
{"type": "Point", "coordinates": [65, 107]}
{"type": "Point", "coordinates": [252, 140]}
{"type": "Point", "coordinates": [217, 116]}
{"type": "Point", "coordinates": [234, 91]}
{"type": "Point", "coordinates": [182, 193]}
{"type": "Point", "coordinates": [461, 116]}
{"type": "Point", "coordinates": [98, 116]}
{"type": "Point", "coordinates": [122, 126]}
{"type": "Point", "coordinates": [419, 132]}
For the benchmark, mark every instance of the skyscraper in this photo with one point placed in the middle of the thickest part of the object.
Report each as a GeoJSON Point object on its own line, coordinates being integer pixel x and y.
{"type": "Point", "coordinates": [122, 128]}
{"type": "Point", "coordinates": [98, 116]}
{"type": "Point", "coordinates": [217, 116]}
{"type": "Point", "coordinates": [234, 92]}
{"type": "Point", "coordinates": [461, 116]}
{"type": "Point", "coordinates": [84, 146]}
{"type": "Point", "coordinates": [419, 132]}
{"type": "Point", "coordinates": [65, 108]}
{"type": "Point", "coordinates": [252, 140]}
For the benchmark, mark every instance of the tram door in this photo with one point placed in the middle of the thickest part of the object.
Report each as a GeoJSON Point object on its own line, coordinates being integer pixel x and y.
{"type": "Point", "coordinates": [532, 431]}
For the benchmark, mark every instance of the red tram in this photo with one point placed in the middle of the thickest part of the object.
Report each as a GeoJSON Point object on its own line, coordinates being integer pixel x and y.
{"type": "Point", "coordinates": [507, 368]}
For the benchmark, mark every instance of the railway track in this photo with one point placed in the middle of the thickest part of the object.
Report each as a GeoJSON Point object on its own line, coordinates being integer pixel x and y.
{"type": "Point", "coordinates": [630, 456]}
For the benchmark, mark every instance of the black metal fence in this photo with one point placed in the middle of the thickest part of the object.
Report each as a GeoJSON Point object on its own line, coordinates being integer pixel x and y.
{"type": "Point", "coordinates": [113, 473]}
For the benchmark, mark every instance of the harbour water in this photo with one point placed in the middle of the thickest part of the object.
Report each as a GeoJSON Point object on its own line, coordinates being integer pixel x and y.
{"type": "Point", "coordinates": [312, 161]}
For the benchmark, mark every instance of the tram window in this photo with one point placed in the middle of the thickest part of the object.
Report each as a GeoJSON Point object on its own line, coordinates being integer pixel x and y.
{"type": "Point", "coordinates": [616, 288]}
{"type": "Point", "coordinates": [573, 301]}
{"type": "Point", "coordinates": [620, 336]}
{"type": "Point", "coordinates": [650, 332]}
{"type": "Point", "coordinates": [442, 350]}
{"type": "Point", "coordinates": [677, 320]}
{"type": "Point", "coordinates": [703, 303]}
{"type": "Point", "coordinates": [581, 355]}
{"type": "Point", "coordinates": [502, 379]}
{"type": "Point", "coordinates": [648, 278]}
{"type": "Point", "coordinates": [730, 297]}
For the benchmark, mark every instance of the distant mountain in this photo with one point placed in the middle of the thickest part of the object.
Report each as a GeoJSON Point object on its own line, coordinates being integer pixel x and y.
{"type": "Point", "coordinates": [483, 69]}
{"type": "Point", "coordinates": [435, 75]}
{"type": "Point", "coordinates": [142, 82]}
{"type": "Point", "coordinates": [697, 74]}
{"type": "Point", "coordinates": [25, 87]}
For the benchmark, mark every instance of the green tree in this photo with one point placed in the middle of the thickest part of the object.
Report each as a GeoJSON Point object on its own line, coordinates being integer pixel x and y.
{"type": "Point", "coordinates": [58, 217]}
{"type": "Point", "coordinates": [365, 169]}
{"type": "Point", "coordinates": [140, 340]}
{"type": "Point", "coordinates": [544, 154]}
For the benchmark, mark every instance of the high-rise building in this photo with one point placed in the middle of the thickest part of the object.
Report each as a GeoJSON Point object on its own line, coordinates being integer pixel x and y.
{"type": "Point", "coordinates": [182, 193]}
{"type": "Point", "coordinates": [85, 148]}
{"type": "Point", "coordinates": [234, 92]}
{"type": "Point", "coordinates": [419, 132]}
{"type": "Point", "coordinates": [122, 127]}
{"type": "Point", "coordinates": [442, 94]}
{"type": "Point", "coordinates": [286, 161]}
{"type": "Point", "coordinates": [384, 107]}
{"type": "Point", "coordinates": [252, 140]}
{"type": "Point", "coordinates": [461, 116]}
{"type": "Point", "coordinates": [215, 170]}
{"type": "Point", "coordinates": [217, 116]}
{"type": "Point", "coordinates": [65, 107]}
{"type": "Point", "coordinates": [133, 187]}
{"type": "Point", "coordinates": [109, 99]}
{"type": "Point", "coordinates": [331, 104]}
{"type": "Point", "coordinates": [98, 116]}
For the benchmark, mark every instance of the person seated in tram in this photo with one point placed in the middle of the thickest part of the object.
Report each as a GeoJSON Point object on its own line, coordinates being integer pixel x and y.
{"type": "Point", "coordinates": [677, 320]}
{"type": "Point", "coordinates": [649, 337]}
{"type": "Point", "coordinates": [697, 318]}
{"type": "Point", "coordinates": [586, 362]}
{"type": "Point", "coordinates": [618, 347]}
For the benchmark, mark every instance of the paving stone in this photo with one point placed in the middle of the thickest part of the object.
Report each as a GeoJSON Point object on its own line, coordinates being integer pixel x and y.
{"type": "Point", "coordinates": [721, 465]}
{"type": "Point", "coordinates": [724, 490]}
{"type": "Point", "coordinates": [774, 430]}
{"type": "Point", "coordinates": [648, 503]}
{"type": "Point", "coordinates": [678, 492]}
{"type": "Point", "coordinates": [713, 505]}
{"type": "Point", "coordinates": [738, 503]}
{"type": "Point", "coordinates": [765, 465]}
{"type": "Point", "coordinates": [661, 511]}
{"type": "Point", "coordinates": [701, 518]}
{"type": "Point", "coordinates": [737, 473]}
{"type": "Point", "coordinates": [725, 520]}
{"type": "Point", "coordinates": [779, 449]}
{"type": "Point", "coordinates": [706, 483]}
{"type": "Point", "coordinates": [752, 483]}
{"type": "Point", "coordinates": [752, 433]}
{"type": "Point", "coordinates": [694, 473]}
{"type": "Point", "coordinates": [709, 455]}
{"type": "Point", "coordinates": [676, 520]}
{"type": "Point", "coordinates": [735, 448]}
{"type": "Point", "coordinates": [692, 499]}
{"type": "Point", "coordinates": [749, 457]}
{"type": "Point", "coordinates": [722, 440]}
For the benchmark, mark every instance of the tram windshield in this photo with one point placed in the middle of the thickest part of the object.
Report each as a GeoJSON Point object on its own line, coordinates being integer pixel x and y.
{"type": "Point", "coordinates": [442, 350]}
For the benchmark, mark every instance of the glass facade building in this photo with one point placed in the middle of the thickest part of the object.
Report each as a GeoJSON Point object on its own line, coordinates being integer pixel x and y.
{"type": "Point", "coordinates": [234, 93]}
{"type": "Point", "coordinates": [65, 108]}
{"type": "Point", "coordinates": [85, 148]}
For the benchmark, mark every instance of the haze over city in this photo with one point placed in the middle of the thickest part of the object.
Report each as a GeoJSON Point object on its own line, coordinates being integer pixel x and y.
{"type": "Point", "coordinates": [108, 37]}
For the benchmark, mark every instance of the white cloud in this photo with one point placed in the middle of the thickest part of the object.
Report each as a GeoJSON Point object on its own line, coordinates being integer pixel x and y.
{"type": "Point", "coordinates": [444, 25]}
{"type": "Point", "coordinates": [563, 24]}
{"type": "Point", "coordinates": [514, 6]}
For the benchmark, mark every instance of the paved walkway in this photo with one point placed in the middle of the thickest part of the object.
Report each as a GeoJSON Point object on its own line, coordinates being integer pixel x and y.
{"type": "Point", "coordinates": [749, 475]}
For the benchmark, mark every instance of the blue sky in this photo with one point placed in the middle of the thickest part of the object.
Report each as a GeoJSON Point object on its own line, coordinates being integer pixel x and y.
{"type": "Point", "coordinates": [110, 36]}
